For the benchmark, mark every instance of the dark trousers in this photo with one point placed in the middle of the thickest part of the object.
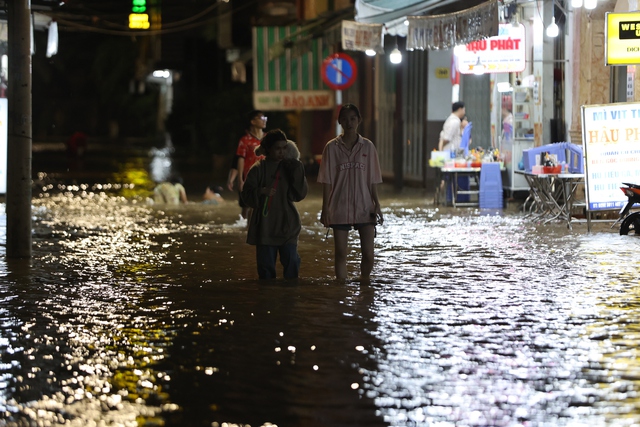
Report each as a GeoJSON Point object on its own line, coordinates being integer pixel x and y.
{"type": "Point", "coordinates": [266, 260]}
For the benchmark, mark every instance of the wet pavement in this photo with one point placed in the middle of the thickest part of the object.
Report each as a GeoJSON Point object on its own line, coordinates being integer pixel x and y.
{"type": "Point", "coordinates": [136, 315]}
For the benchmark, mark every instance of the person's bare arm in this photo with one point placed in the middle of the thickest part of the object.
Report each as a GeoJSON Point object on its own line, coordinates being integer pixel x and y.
{"type": "Point", "coordinates": [183, 195]}
{"type": "Point", "coordinates": [241, 172]}
{"type": "Point", "coordinates": [326, 192]}
{"type": "Point", "coordinates": [376, 201]}
{"type": "Point", "coordinates": [233, 174]}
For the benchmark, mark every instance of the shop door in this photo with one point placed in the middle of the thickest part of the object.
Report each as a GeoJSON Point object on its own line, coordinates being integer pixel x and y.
{"type": "Point", "coordinates": [475, 92]}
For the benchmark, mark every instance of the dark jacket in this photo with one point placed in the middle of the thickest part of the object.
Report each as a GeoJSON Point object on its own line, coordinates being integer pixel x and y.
{"type": "Point", "coordinates": [274, 222]}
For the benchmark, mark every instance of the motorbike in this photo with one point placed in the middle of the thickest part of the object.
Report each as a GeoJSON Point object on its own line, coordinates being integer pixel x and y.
{"type": "Point", "coordinates": [630, 222]}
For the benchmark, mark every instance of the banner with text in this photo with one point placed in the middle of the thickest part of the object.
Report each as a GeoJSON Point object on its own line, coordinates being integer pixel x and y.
{"type": "Point", "coordinates": [362, 37]}
{"type": "Point", "coordinates": [611, 146]}
{"type": "Point", "coordinates": [294, 100]}
{"type": "Point", "coordinates": [504, 53]}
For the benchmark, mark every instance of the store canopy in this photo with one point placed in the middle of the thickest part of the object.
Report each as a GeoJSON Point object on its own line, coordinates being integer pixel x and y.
{"type": "Point", "coordinates": [393, 13]}
{"type": "Point", "coordinates": [453, 29]}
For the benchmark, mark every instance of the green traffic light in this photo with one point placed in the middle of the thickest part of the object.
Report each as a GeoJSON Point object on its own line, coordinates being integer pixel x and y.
{"type": "Point", "coordinates": [139, 6]}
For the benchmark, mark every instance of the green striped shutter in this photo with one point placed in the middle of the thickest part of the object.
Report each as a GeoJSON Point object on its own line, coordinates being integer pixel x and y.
{"type": "Point", "coordinates": [286, 72]}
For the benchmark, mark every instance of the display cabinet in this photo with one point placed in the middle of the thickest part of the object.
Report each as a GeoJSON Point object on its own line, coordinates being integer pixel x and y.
{"type": "Point", "coordinates": [521, 137]}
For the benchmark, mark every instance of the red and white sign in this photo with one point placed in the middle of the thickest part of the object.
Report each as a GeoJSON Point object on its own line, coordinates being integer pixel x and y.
{"type": "Point", "coordinates": [504, 53]}
{"type": "Point", "coordinates": [339, 71]}
{"type": "Point", "coordinates": [308, 100]}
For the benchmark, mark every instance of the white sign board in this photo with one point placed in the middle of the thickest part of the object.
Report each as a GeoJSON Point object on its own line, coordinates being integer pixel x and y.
{"type": "Point", "coordinates": [611, 147]}
{"type": "Point", "coordinates": [504, 53]}
{"type": "Point", "coordinates": [362, 37]}
{"type": "Point", "coordinates": [4, 127]}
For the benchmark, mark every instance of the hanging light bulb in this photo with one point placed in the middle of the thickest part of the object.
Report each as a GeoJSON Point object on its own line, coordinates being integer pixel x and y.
{"type": "Point", "coordinates": [552, 29]}
{"type": "Point", "coordinates": [479, 68]}
{"type": "Point", "coordinates": [370, 52]}
{"type": "Point", "coordinates": [576, 3]}
{"type": "Point", "coordinates": [590, 4]}
{"type": "Point", "coordinates": [395, 57]}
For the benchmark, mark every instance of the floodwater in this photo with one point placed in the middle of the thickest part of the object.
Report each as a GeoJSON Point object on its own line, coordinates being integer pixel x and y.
{"type": "Point", "coordinates": [136, 315]}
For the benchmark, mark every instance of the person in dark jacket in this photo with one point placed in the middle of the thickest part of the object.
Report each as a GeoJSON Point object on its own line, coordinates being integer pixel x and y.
{"type": "Point", "coordinates": [272, 186]}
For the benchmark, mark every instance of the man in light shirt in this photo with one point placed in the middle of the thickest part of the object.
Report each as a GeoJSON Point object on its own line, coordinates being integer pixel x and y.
{"type": "Point", "coordinates": [451, 132]}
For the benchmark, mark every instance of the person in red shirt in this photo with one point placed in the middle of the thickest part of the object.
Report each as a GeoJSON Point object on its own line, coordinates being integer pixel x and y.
{"type": "Point", "coordinates": [246, 152]}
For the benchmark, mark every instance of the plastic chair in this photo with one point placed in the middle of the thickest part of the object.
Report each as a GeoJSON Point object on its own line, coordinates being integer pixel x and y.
{"type": "Point", "coordinates": [466, 136]}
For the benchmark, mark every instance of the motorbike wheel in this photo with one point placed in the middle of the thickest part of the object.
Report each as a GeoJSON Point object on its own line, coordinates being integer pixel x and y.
{"type": "Point", "coordinates": [631, 225]}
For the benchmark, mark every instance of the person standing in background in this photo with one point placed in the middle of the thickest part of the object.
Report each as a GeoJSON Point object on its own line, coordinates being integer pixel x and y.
{"type": "Point", "coordinates": [246, 152]}
{"type": "Point", "coordinates": [350, 174]}
{"type": "Point", "coordinates": [451, 133]}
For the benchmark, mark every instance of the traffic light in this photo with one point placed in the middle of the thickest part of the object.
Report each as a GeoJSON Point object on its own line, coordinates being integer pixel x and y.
{"type": "Point", "coordinates": [139, 6]}
{"type": "Point", "coordinates": [139, 19]}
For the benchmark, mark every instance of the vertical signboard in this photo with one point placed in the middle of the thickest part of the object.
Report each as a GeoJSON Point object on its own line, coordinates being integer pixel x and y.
{"type": "Point", "coordinates": [611, 147]}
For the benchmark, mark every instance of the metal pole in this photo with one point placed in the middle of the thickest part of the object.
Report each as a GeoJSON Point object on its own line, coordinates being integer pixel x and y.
{"type": "Point", "coordinates": [398, 127]}
{"type": "Point", "coordinates": [19, 138]}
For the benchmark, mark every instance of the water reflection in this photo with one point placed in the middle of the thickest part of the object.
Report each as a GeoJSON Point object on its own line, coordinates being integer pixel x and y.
{"type": "Point", "coordinates": [131, 314]}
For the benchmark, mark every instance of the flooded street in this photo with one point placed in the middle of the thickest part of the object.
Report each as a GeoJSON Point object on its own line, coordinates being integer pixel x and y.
{"type": "Point", "coordinates": [137, 315]}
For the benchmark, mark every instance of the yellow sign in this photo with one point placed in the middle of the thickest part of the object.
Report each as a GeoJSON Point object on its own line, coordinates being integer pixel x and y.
{"type": "Point", "coordinates": [139, 21]}
{"type": "Point", "coordinates": [442, 73]}
{"type": "Point", "coordinates": [622, 32]}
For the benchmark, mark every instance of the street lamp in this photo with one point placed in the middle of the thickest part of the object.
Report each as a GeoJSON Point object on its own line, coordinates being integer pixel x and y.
{"type": "Point", "coordinates": [590, 4]}
{"type": "Point", "coordinates": [395, 57]}
{"type": "Point", "coordinates": [552, 29]}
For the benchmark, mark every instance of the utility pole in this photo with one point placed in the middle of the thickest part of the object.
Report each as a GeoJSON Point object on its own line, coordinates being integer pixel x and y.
{"type": "Point", "coordinates": [20, 133]}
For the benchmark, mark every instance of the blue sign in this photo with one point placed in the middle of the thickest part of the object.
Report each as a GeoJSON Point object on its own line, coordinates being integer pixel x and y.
{"type": "Point", "coordinates": [339, 71]}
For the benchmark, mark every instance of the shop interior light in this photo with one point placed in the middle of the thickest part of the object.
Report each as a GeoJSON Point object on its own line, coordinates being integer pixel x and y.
{"type": "Point", "coordinates": [576, 3]}
{"type": "Point", "coordinates": [552, 29]}
{"type": "Point", "coordinates": [590, 4]}
{"type": "Point", "coordinates": [395, 57]}
{"type": "Point", "coordinates": [479, 68]}
{"type": "Point", "coordinates": [370, 52]}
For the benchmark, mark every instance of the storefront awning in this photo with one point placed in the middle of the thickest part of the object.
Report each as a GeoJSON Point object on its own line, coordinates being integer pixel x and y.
{"type": "Point", "coordinates": [392, 13]}
{"type": "Point", "coordinates": [447, 31]}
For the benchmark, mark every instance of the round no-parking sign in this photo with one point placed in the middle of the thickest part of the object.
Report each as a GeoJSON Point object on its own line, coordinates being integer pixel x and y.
{"type": "Point", "coordinates": [339, 71]}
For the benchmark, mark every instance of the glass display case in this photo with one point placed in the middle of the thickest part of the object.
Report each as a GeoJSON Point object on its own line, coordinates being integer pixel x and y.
{"type": "Point", "coordinates": [517, 135]}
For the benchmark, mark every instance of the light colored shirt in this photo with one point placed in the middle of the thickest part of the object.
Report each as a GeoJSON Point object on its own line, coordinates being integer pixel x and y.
{"type": "Point", "coordinates": [168, 193]}
{"type": "Point", "coordinates": [351, 175]}
{"type": "Point", "coordinates": [451, 132]}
